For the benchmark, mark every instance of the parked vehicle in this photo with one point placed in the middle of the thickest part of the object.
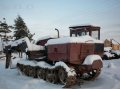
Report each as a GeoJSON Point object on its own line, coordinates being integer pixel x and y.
{"type": "Point", "coordinates": [65, 60]}
{"type": "Point", "coordinates": [110, 54]}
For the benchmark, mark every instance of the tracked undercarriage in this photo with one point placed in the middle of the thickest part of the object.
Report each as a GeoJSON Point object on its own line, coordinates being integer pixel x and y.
{"type": "Point", "coordinates": [59, 73]}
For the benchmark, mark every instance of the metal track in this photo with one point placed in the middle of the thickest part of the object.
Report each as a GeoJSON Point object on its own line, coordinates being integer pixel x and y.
{"type": "Point", "coordinates": [52, 75]}
{"type": "Point", "coordinates": [56, 75]}
{"type": "Point", "coordinates": [92, 75]}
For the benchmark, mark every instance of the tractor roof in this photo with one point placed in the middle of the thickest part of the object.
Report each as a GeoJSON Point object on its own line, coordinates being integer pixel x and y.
{"type": "Point", "coordinates": [85, 27]}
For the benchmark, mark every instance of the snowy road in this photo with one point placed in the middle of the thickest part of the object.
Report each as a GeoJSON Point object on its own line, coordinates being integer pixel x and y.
{"type": "Point", "coordinates": [108, 79]}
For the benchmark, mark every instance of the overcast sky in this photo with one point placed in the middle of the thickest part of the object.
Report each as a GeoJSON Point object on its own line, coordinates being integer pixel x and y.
{"type": "Point", "coordinates": [42, 16]}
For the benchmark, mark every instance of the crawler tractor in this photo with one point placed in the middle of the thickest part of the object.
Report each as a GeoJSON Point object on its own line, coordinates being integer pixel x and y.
{"type": "Point", "coordinates": [65, 60]}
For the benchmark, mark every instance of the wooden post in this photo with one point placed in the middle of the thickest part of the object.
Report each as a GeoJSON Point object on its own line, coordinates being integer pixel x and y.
{"type": "Point", "coordinates": [8, 58]}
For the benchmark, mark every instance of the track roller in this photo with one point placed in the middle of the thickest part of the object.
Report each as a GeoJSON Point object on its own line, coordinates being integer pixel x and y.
{"type": "Point", "coordinates": [92, 75]}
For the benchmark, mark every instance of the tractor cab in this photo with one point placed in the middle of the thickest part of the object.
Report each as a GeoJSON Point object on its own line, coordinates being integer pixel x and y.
{"type": "Point", "coordinates": [93, 31]}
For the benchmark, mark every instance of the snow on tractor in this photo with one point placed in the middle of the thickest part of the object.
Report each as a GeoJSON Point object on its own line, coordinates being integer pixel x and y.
{"type": "Point", "coordinates": [65, 60]}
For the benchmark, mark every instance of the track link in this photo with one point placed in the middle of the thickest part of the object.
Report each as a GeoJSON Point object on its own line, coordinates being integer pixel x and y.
{"type": "Point", "coordinates": [54, 75]}
{"type": "Point", "coordinates": [57, 74]}
{"type": "Point", "coordinates": [92, 75]}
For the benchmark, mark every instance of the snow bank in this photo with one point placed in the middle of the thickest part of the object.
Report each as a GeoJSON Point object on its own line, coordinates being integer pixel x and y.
{"type": "Point", "coordinates": [107, 49]}
{"type": "Point", "coordinates": [43, 64]}
{"type": "Point", "coordinates": [116, 52]}
{"type": "Point", "coordinates": [108, 54]}
{"type": "Point", "coordinates": [27, 62]}
{"type": "Point", "coordinates": [82, 39]}
{"type": "Point", "coordinates": [91, 58]}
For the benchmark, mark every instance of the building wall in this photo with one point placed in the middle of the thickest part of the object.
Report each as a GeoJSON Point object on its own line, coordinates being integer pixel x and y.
{"type": "Point", "coordinates": [107, 43]}
{"type": "Point", "coordinates": [115, 47]}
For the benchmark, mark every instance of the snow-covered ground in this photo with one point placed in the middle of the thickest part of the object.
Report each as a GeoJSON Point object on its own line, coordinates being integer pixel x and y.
{"type": "Point", "coordinates": [12, 79]}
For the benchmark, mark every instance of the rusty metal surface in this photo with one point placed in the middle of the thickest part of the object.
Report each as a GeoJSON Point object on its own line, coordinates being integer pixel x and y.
{"type": "Point", "coordinates": [74, 53]}
{"type": "Point", "coordinates": [35, 54]}
{"type": "Point", "coordinates": [97, 64]}
{"type": "Point", "coordinates": [42, 42]}
{"type": "Point", "coordinates": [58, 52]}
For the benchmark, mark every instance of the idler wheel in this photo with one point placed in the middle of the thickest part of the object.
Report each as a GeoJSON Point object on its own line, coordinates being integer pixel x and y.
{"type": "Point", "coordinates": [27, 70]}
{"type": "Point", "coordinates": [93, 74]}
{"type": "Point", "coordinates": [62, 74]}
{"type": "Point", "coordinates": [41, 73]}
{"type": "Point", "coordinates": [32, 71]}
{"type": "Point", "coordinates": [51, 76]}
